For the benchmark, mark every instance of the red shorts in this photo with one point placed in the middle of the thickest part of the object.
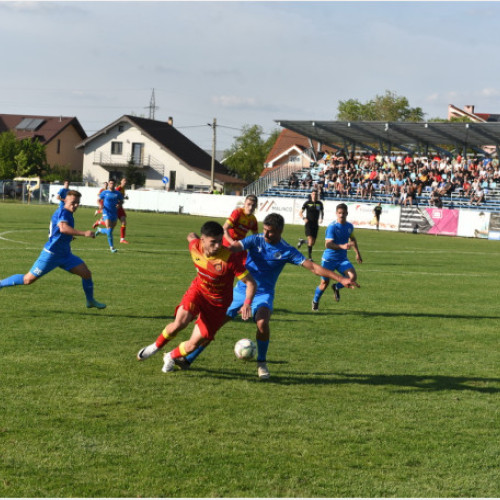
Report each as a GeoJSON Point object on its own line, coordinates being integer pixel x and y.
{"type": "Point", "coordinates": [121, 212]}
{"type": "Point", "coordinates": [210, 318]}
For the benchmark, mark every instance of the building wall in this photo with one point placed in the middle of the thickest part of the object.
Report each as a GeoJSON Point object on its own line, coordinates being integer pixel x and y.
{"type": "Point", "coordinates": [161, 162]}
{"type": "Point", "coordinates": [62, 150]}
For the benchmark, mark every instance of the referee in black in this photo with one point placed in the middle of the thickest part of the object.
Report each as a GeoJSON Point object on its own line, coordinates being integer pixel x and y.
{"type": "Point", "coordinates": [312, 212]}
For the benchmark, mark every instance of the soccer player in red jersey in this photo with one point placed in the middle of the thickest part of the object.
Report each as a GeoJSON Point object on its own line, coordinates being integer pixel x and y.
{"type": "Point", "coordinates": [241, 221]}
{"type": "Point", "coordinates": [208, 297]}
{"type": "Point", "coordinates": [121, 211]}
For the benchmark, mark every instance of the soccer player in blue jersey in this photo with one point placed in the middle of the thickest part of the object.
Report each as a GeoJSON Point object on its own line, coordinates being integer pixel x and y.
{"type": "Point", "coordinates": [112, 199]}
{"type": "Point", "coordinates": [267, 255]}
{"type": "Point", "coordinates": [57, 251]}
{"type": "Point", "coordinates": [61, 194]}
{"type": "Point", "coordinates": [339, 238]}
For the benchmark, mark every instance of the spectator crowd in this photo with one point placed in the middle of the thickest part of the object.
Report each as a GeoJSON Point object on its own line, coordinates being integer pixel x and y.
{"type": "Point", "coordinates": [402, 178]}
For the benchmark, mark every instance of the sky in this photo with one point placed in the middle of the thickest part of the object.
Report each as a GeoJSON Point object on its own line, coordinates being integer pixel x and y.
{"type": "Point", "coordinates": [243, 63]}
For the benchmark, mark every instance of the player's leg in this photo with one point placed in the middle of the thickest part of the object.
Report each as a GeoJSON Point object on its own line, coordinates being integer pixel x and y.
{"type": "Point", "coordinates": [183, 316]}
{"type": "Point", "coordinates": [323, 285]}
{"type": "Point", "coordinates": [75, 265]}
{"type": "Point", "coordinates": [18, 279]}
{"type": "Point", "coordinates": [347, 269]}
{"type": "Point", "coordinates": [123, 229]}
{"type": "Point", "coordinates": [262, 319]}
{"type": "Point", "coordinates": [45, 263]}
{"type": "Point", "coordinates": [178, 355]}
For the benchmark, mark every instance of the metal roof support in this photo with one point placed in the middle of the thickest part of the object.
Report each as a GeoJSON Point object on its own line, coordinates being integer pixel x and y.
{"type": "Point", "coordinates": [347, 138]}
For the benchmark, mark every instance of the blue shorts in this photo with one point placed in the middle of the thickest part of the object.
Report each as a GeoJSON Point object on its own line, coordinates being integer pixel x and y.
{"type": "Point", "coordinates": [263, 298]}
{"type": "Point", "coordinates": [340, 266]}
{"type": "Point", "coordinates": [109, 216]}
{"type": "Point", "coordinates": [47, 261]}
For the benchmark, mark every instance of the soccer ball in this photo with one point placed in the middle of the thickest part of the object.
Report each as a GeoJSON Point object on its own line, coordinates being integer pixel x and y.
{"type": "Point", "coordinates": [245, 349]}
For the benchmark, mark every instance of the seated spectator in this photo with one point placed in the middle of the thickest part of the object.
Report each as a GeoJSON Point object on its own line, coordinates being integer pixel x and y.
{"type": "Point", "coordinates": [435, 199]}
{"type": "Point", "coordinates": [293, 182]}
{"type": "Point", "coordinates": [477, 196]}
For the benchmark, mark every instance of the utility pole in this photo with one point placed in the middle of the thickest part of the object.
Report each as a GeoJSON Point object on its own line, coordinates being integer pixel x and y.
{"type": "Point", "coordinates": [152, 106]}
{"type": "Point", "coordinates": [214, 126]}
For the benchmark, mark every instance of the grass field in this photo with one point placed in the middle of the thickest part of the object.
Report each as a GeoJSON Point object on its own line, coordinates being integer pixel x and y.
{"type": "Point", "coordinates": [392, 392]}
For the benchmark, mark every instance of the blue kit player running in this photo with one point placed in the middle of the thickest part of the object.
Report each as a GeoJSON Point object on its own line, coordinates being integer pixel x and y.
{"type": "Point", "coordinates": [267, 255]}
{"type": "Point", "coordinates": [57, 252]}
{"type": "Point", "coordinates": [61, 194]}
{"type": "Point", "coordinates": [338, 239]}
{"type": "Point", "coordinates": [112, 199]}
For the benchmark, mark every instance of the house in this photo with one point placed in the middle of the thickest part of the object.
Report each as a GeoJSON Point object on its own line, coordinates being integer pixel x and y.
{"type": "Point", "coordinates": [166, 157]}
{"type": "Point", "coordinates": [59, 135]}
{"type": "Point", "coordinates": [294, 150]}
{"type": "Point", "coordinates": [469, 112]}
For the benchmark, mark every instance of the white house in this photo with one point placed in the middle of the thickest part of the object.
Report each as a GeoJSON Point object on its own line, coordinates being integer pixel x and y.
{"type": "Point", "coordinates": [168, 158]}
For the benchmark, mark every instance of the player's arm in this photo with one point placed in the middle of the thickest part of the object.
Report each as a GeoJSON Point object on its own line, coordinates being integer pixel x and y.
{"type": "Point", "coordinates": [354, 242]}
{"type": "Point", "coordinates": [329, 243]}
{"type": "Point", "coordinates": [246, 308]}
{"type": "Point", "coordinates": [326, 273]}
{"type": "Point", "coordinates": [236, 246]}
{"type": "Point", "coordinates": [65, 228]}
{"type": "Point", "coordinates": [228, 225]}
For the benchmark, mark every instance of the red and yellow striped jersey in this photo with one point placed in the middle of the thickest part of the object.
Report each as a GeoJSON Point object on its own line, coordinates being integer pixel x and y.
{"type": "Point", "coordinates": [216, 274]}
{"type": "Point", "coordinates": [240, 224]}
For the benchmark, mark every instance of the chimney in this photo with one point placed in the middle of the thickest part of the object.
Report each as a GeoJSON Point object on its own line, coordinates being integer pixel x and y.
{"type": "Point", "coordinates": [469, 109]}
{"type": "Point", "coordinates": [170, 121]}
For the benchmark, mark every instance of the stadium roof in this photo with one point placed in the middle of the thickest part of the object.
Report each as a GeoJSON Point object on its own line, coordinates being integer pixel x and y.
{"type": "Point", "coordinates": [400, 136]}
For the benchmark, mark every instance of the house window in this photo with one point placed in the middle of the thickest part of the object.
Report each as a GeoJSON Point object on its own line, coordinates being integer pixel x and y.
{"type": "Point", "coordinates": [116, 148]}
{"type": "Point", "coordinates": [121, 128]}
{"type": "Point", "coordinates": [294, 159]}
{"type": "Point", "coordinates": [58, 146]}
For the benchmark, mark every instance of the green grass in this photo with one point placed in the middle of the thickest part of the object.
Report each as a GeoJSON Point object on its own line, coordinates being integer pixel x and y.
{"type": "Point", "coordinates": [393, 392]}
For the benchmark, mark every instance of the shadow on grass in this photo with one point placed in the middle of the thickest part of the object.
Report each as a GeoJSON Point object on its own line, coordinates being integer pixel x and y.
{"type": "Point", "coordinates": [375, 314]}
{"type": "Point", "coordinates": [419, 382]}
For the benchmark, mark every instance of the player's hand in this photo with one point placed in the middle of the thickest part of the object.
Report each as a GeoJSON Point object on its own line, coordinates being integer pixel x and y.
{"type": "Point", "coordinates": [359, 260]}
{"type": "Point", "coordinates": [89, 234]}
{"type": "Point", "coordinates": [246, 312]}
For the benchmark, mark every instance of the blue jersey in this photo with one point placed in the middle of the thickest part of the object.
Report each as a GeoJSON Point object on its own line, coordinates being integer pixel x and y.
{"type": "Point", "coordinates": [265, 261]}
{"type": "Point", "coordinates": [59, 244]}
{"type": "Point", "coordinates": [111, 201]}
{"type": "Point", "coordinates": [62, 195]}
{"type": "Point", "coordinates": [340, 234]}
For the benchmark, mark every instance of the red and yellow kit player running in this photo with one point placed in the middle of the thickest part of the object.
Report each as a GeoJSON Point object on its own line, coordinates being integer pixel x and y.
{"type": "Point", "coordinates": [241, 221]}
{"type": "Point", "coordinates": [121, 211]}
{"type": "Point", "coordinates": [208, 297]}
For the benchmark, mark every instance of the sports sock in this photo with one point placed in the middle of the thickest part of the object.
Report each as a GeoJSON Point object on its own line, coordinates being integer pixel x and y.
{"type": "Point", "coordinates": [15, 279]}
{"type": "Point", "coordinates": [262, 346]}
{"type": "Point", "coordinates": [318, 294]}
{"type": "Point", "coordinates": [88, 288]}
{"type": "Point", "coordinates": [309, 251]}
{"type": "Point", "coordinates": [109, 232]}
{"type": "Point", "coordinates": [123, 230]}
{"type": "Point", "coordinates": [179, 351]}
{"type": "Point", "coordinates": [193, 355]}
{"type": "Point", "coordinates": [163, 338]}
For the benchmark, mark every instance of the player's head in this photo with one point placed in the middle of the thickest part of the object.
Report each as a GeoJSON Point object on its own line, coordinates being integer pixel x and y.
{"type": "Point", "coordinates": [72, 200]}
{"type": "Point", "coordinates": [250, 204]}
{"type": "Point", "coordinates": [66, 183]}
{"type": "Point", "coordinates": [211, 237]}
{"type": "Point", "coordinates": [314, 195]}
{"type": "Point", "coordinates": [111, 184]}
{"type": "Point", "coordinates": [273, 226]}
{"type": "Point", "coordinates": [341, 211]}
{"type": "Point", "coordinates": [123, 182]}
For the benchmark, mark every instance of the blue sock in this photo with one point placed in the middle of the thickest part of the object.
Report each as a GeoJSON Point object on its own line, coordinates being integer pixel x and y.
{"type": "Point", "coordinates": [88, 288]}
{"type": "Point", "coordinates": [262, 346]}
{"type": "Point", "coordinates": [318, 294]}
{"type": "Point", "coordinates": [193, 355]}
{"type": "Point", "coordinates": [15, 279]}
{"type": "Point", "coordinates": [109, 232]}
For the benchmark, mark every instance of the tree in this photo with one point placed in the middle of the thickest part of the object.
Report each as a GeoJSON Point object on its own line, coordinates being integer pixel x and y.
{"type": "Point", "coordinates": [388, 107]}
{"type": "Point", "coordinates": [21, 158]}
{"type": "Point", "coordinates": [247, 155]}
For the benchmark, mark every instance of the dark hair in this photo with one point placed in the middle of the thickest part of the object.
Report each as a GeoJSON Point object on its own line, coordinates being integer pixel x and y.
{"type": "Point", "coordinates": [251, 197]}
{"type": "Point", "coordinates": [211, 229]}
{"type": "Point", "coordinates": [274, 220]}
{"type": "Point", "coordinates": [341, 205]}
